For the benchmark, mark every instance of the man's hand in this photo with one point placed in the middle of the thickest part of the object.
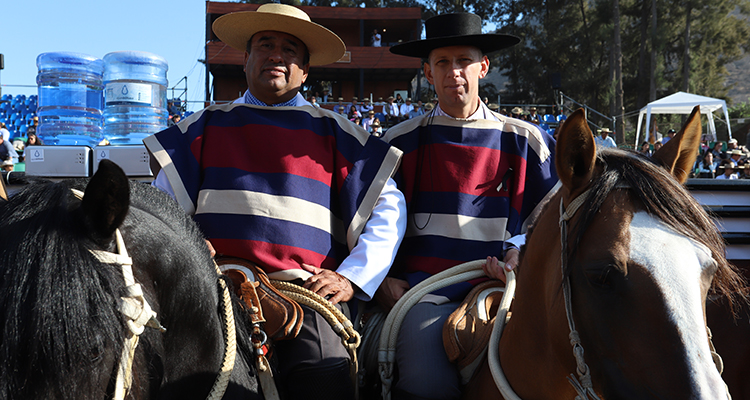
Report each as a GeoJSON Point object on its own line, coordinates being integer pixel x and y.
{"type": "Point", "coordinates": [390, 291]}
{"type": "Point", "coordinates": [492, 267]}
{"type": "Point", "coordinates": [325, 282]}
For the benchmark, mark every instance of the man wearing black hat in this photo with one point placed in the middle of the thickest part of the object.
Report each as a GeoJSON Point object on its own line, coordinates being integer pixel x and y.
{"type": "Point", "coordinates": [298, 191]}
{"type": "Point", "coordinates": [670, 135]}
{"type": "Point", "coordinates": [472, 179]}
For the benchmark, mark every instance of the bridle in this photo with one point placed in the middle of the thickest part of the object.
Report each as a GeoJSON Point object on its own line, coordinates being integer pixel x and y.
{"type": "Point", "coordinates": [582, 384]}
{"type": "Point", "coordinates": [139, 315]}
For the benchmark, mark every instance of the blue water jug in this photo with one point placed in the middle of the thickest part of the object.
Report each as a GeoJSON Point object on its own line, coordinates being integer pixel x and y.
{"type": "Point", "coordinates": [135, 96]}
{"type": "Point", "coordinates": [70, 98]}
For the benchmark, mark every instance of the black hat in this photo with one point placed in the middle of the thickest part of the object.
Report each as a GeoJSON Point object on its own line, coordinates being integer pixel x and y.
{"type": "Point", "coordinates": [459, 29]}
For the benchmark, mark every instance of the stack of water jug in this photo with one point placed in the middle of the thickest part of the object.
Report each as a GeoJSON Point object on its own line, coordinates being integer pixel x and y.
{"type": "Point", "coordinates": [84, 100]}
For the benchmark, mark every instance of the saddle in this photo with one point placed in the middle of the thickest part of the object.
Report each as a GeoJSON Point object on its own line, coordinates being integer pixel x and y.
{"type": "Point", "coordinates": [282, 316]}
{"type": "Point", "coordinates": [466, 332]}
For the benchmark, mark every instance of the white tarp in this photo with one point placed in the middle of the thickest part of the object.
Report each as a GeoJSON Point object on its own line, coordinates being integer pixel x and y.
{"type": "Point", "coordinates": [682, 103]}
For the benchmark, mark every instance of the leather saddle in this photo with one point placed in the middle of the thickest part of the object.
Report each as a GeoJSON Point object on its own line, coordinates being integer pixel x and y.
{"type": "Point", "coordinates": [280, 315]}
{"type": "Point", "coordinates": [466, 332]}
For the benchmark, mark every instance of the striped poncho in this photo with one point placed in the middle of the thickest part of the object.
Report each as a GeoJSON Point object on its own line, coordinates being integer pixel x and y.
{"type": "Point", "coordinates": [277, 186]}
{"type": "Point", "coordinates": [470, 185]}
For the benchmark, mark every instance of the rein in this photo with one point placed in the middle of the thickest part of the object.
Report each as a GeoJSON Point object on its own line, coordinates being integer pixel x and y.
{"type": "Point", "coordinates": [138, 314]}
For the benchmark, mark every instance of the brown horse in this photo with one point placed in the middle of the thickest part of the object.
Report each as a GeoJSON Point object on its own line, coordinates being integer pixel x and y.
{"type": "Point", "coordinates": [641, 257]}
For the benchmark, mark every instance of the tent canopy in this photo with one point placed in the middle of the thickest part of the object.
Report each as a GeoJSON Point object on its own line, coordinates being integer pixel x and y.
{"type": "Point", "coordinates": [682, 103]}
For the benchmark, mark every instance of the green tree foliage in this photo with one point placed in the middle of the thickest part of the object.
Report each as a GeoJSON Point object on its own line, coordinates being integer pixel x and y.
{"type": "Point", "coordinates": [573, 40]}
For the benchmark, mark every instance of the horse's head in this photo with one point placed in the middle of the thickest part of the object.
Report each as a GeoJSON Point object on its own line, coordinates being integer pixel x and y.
{"type": "Point", "coordinates": [63, 331]}
{"type": "Point", "coordinates": [640, 255]}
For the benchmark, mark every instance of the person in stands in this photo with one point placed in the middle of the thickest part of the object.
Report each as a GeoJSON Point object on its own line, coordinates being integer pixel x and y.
{"type": "Point", "coordinates": [604, 139]}
{"type": "Point", "coordinates": [301, 192]}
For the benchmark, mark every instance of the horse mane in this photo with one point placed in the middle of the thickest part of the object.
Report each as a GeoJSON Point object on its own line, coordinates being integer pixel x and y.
{"type": "Point", "coordinates": [52, 291]}
{"type": "Point", "coordinates": [664, 198]}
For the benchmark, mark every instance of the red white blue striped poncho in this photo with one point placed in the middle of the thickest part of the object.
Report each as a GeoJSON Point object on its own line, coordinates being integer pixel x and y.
{"type": "Point", "coordinates": [277, 186]}
{"type": "Point", "coordinates": [469, 185]}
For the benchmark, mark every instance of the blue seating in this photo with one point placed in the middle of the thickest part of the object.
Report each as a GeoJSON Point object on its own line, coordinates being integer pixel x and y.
{"type": "Point", "coordinates": [544, 126]}
{"type": "Point", "coordinates": [561, 118]}
{"type": "Point", "coordinates": [380, 117]}
{"type": "Point", "coordinates": [549, 119]}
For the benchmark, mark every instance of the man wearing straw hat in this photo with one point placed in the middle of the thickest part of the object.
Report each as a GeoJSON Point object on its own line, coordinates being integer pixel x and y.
{"type": "Point", "coordinates": [299, 191]}
{"type": "Point", "coordinates": [472, 180]}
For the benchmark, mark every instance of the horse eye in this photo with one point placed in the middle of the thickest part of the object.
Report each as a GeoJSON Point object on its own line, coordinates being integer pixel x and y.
{"type": "Point", "coordinates": [601, 277]}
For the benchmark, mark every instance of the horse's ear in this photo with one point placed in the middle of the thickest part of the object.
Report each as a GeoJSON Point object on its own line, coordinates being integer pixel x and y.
{"type": "Point", "coordinates": [107, 199]}
{"type": "Point", "coordinates": [678, 155]}
{"type": "Point", "coordinates": [576, 152]}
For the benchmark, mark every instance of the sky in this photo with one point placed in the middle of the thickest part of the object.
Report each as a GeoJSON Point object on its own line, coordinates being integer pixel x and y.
{"type": "Point", "coordinates": [172, 29]}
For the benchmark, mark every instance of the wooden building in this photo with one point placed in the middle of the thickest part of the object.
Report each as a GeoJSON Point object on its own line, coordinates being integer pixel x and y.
{"type": "Point", "coordinates": [364, 70]}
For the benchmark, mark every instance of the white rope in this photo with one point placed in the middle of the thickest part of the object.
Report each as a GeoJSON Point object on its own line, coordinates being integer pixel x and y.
{"type": "Point", "coordinates": [133, 305]}
{"type": "Point", "coordinates": [389, 335]}
{"type": "Point", "coordinates": [493, 352]}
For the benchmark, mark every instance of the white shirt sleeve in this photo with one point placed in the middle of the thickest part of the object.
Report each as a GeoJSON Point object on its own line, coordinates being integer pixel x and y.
{"type": "Point", "coordinates": [515, 242]}
{"type": "Point", "coordinates": [372, 256]}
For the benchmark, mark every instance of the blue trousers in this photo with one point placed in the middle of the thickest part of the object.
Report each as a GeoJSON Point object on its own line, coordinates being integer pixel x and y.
{"type": "Point", "coordinates": [423, 366]}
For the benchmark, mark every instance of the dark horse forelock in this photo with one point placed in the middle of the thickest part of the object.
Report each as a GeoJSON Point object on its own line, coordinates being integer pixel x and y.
{"type": "Point", "coordinates": [55, 298]}
{"type": "Point", "coordinates": [664, 198]}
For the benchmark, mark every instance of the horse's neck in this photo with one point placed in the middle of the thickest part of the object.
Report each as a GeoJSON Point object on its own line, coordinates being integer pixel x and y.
{"type": "Point", "coordinates": [535, 351]}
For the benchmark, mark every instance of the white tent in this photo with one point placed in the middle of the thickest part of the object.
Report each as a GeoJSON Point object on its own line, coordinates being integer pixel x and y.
{"type": "Point", "coordinates": [683, 103]}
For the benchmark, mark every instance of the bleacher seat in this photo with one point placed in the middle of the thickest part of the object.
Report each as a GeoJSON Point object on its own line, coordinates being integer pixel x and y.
{"type": "Point", "coordinates": [561, 118]}
{"type": "Point", "coordinates": [549, 119]}
{"type": "Point", "coordinates": [380, 117]}
{"type": "Point", "coordinates": [544, 126]}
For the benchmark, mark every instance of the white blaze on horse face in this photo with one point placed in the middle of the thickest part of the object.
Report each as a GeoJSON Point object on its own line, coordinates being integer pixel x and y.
{"type": "Point", "coordinates": [676, 262]}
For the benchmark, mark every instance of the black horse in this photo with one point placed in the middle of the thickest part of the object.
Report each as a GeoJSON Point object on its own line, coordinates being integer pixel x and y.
{"type": "Point", "coordinates": [62, 332]}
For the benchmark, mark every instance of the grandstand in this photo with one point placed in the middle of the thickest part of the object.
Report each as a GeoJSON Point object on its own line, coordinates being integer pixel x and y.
{"type": "Point", "coordinates": [18, 113]}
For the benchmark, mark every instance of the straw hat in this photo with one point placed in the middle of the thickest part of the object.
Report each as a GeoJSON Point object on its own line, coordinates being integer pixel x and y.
{"type": "Point", "coordinates": [459, 29]}
{"type": "Point", "coordinates": [6, 163]}
{"type": "Point", "coordinates": [237, 28]}
{"type": "Point", "coordinates": [375, 123]}
{"type": "Point", "coordinates": [517, 110]}
{"type": "Point", "coordinates": [429, 106]}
